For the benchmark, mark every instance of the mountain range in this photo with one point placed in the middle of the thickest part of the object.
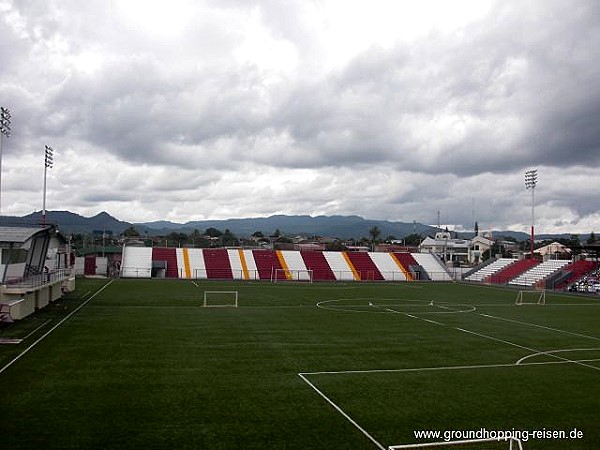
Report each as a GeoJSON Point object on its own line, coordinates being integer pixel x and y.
{"type": "Point", "coordinates": [343, 227]}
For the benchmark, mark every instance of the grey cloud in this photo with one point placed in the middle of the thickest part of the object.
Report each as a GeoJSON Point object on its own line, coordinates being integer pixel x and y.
{"type": "Point", "coordinates": [398, 132]}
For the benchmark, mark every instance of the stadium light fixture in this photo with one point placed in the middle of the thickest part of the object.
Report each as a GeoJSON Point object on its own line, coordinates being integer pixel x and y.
{"type": "Point", "coordinates": [531, 177]}
{"type": "Point", "coordinates": [48, 164]}
{"type": "Point", "coordinates": [4, 132]}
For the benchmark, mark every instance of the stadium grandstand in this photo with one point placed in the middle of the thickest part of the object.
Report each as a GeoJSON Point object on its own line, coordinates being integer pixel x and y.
{"type": "Point", "coordinates": [35, 269]}
{"type": "Point", "coordinates": [543, 271]}
{"type": "Point", "coordinates": [279, 265]}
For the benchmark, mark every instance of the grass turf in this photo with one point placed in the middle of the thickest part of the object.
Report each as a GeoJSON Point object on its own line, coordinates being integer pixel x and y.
{"type": "Point", "coordinates": [142, 365]}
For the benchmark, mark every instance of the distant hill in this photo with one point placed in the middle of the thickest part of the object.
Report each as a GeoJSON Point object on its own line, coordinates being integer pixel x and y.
{"type": "Point", "coordinates": [69, 222]}
{"type": "Point", "coordinates": [344, 227]}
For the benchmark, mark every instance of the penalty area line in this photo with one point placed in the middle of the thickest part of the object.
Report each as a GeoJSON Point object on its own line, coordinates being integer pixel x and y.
{"type": "Point", "coordinates": [341, 411]}
{"type": "Point", "coordinates": [540, 326]}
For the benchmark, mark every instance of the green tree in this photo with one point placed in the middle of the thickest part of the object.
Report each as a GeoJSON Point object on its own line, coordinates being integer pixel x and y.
{"type": "Point", "coordinates": [574, 240]}
{"type": "Point", "coordinates": [336, 246]}
{"type": "Point", "coordinates": [194, 238]}
{"type": "Point", "coordinates": [213, 232]}
{"type": "Point", "coordinates": [592, 238]}
{"type": "Point", "coordinates": [229, 239]}
{"type": "Point", "coordinates": [412, 240]}
{"type": "Point", "coordinates": [374, 232]}
{"type": "Point", "coordinates": [131, 232]}
{"type": "Point", "coordinates": [176, 239]}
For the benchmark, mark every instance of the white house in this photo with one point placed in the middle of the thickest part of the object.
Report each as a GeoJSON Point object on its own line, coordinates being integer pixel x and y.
{"type": "Point", "coordinates": [456, 250]}
{"type": "Point", "coordinates": [555, 249]}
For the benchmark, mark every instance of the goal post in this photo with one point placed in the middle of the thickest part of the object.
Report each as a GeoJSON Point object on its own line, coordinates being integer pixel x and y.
{"type": "Point", "coordinates": [215, 299]}
{"type": "Point", "coordinates": [531, 298]}
{"type": "Point", "coordinates": [293, 275]}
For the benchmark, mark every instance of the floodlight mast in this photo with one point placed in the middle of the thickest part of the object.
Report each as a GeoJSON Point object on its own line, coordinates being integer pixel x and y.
{"type": "Point", "coordinates": [531, 177]}
{"type": "Point", "coordinates": [48, 163]}
{"type": "Point", "coordinates": [4, 132]}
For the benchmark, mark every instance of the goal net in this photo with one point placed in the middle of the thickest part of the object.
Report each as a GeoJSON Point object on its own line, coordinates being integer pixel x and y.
{"type": "Point", "coordinates": [293, 275]}
{"type": "Point", "coordinates": [531, 298]}
{"type": "Point", "coordinates": [214, 299]}
{"type": "Point", "coordinates": [509, 443]}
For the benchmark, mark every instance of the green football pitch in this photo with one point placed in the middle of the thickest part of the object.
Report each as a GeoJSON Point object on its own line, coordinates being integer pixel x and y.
{"type": "Point", "coordinates": [142, 364]}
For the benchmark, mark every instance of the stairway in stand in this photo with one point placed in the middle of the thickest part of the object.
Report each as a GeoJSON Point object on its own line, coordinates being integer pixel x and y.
{"type": "Point", "coordinates": [170, 256]}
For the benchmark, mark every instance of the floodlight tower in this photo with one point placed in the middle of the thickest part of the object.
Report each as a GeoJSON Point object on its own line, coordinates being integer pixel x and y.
{"type": "Point", "coordinates": [48, 162]}
{"type": "Point", "coordinates": [531, 177]}
{"type": "Point", "coordinates": [4, 132]}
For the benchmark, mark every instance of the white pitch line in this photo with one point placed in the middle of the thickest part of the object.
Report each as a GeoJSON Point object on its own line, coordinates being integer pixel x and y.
{"type": "Point", "coordinates": [433, 321]}
{"type": "Point", "coordinates": [446, 368]}
{"type": "Point", "coordinates": [42, 325]}
{"type": "Point", "coordinates": [40, 339]}
{"type": "Point", "coordinates": [485, 336]}
{"type": "Point", "coordinates": [341, 411]}
{"type": "Point", "coordinates": [540, 326]}
{"type": "Point", "coordinates": [410, 369]}
{"type": "Point", "coordinates": [526, 348]}
{"type": "Point", "coordinates": [551, 352]}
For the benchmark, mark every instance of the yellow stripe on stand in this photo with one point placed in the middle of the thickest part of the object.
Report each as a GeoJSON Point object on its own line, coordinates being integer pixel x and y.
{"type": "Point", "coordinates": [245, 271]}
{"type": "Point", "coordinates": [355, 273]}
{"type": "Point", "coordinates": [407, 274]}
{"type": "Point", "coordinates": [284, 265]}
{"type": "Point", "coordinates": [186, 263]}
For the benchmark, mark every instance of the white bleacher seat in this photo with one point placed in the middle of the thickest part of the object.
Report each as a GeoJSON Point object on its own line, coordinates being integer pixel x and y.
{"type": "Point", "coordinates": [339, 266]}
{"type": "Point", "coordinates": [433, 266]}
{"type": "Point", "coordinates": [539, 272]}
{"type": "Point", "coordinates": [490, 269]}
{"type": "Point", "coordinates": [137, 262]}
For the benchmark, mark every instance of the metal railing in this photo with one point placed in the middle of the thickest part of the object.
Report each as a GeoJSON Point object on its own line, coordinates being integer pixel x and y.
{"type": "Point", "coordinates": [38, 279]}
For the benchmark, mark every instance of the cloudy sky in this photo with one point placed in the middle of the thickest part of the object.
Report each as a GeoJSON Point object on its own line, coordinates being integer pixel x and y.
{"type": "Point", "coordinates": [395, 110]}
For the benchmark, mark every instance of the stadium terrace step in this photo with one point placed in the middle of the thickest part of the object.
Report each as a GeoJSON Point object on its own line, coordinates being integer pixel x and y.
{"type": "Point", "coordinates": [268, 265]}
{"type": "Point", "coordinates": [539, 272]}
{"type": "Point", "coordinates": [217, 264]}
{"type": "Point", "coordinates": [364, 265]}
{"type": "Point", "coordinates": [315, 261]}
{"type": "Point", "coordinates": [169, 256]}
{"type": "Point", "coordinates": [408, 262]}
{"type": "Point", "coordinates": [433, 266]}
{"type": "Point", "coordinates": [575, 271]}
{"type": "Point", "coordinates": [389, 267]}
{"type": "Point", "coordinates": [490, 269]}
{"type": "Point", "coordinates": [512, 271]}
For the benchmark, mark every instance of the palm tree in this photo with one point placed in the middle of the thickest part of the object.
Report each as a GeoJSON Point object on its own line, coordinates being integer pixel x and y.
{"type": "Point", "coordinates": [374, 232]}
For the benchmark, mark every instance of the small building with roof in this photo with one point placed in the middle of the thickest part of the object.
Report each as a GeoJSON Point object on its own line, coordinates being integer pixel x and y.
{"type": "Point", "coordinates": [35, 269]}
{"type": "Point", "coordinates": [456, 251]}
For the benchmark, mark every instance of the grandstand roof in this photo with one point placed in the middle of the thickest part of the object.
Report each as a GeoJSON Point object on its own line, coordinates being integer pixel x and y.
{"type": "Point", "coordinates": [11, 236]}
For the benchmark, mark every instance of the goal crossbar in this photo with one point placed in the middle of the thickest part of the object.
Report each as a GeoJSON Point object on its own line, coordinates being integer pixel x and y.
{"type": "Point", "coordinates": [293, 275]}
{"type": "Point", "coordinates": [525, 297]}
{"type": "Point", "coordinates": [231, 296]}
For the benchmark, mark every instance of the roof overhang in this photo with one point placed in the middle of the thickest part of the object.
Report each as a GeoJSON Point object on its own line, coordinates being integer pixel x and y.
{"type": "Point", "coordinates": [11, 237]}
